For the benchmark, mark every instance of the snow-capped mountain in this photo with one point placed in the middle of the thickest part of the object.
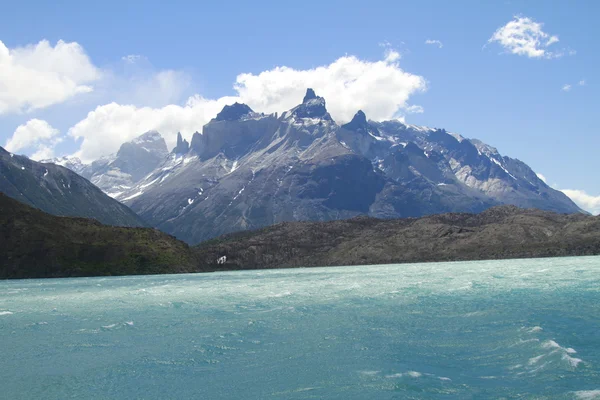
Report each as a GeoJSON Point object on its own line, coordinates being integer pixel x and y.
{"type": "Point", "coordinates": [247, 170]}
{"type": "Point", "coordinates": [118, 173]}
{"type": "Point", "coordinates": [70, 162]}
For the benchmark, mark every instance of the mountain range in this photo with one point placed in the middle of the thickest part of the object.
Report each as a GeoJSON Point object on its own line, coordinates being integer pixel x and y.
{"type": "Point", "coordinates": [247, 170]}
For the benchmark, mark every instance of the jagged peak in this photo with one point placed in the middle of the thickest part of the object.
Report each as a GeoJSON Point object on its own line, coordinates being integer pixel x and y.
{"type": "Point", "coordinates": [359, 123]}
{"type": "Point", "coordinates": [182, 146]}
{"type": "Point", "coordinates": [312, 106]}
{"type": "Point", "coordinates": [310, 95]}
{"type": "Point", "coordinates": [360, 117]}
{"type": "Point", "coordinates": [234, 112]}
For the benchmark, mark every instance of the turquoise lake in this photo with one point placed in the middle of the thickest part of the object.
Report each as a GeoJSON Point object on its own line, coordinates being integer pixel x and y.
{"type": "Point", "coordinates": [524, 329]}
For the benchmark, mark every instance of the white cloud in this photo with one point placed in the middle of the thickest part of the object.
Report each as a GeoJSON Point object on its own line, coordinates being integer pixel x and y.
{"type": "Point", "coordinates": [152, 89]}
{"type": "Point", "coordinates": [567, 87]}
{"type": "Point", "coordinates": [40, 75]}
{"type": "Point", "coordinates": [35, 134]}
{"type": "Point", "coordinates": [525, 37]}
{"type": "Point", "coordinates": [391, 56]}
{"type": "Point", "coordinates": [381, 89]}
{"type": "Point", "coordinates": [543, 178]}
{"type": "Point", "coordinates": [348, 84]}
{"type": "Point", "coordinates": [131, 58]}
{"type": "Point", "coordinates": [435, 42]}
{"type": "Point", "coordinates": [414, 109]}
{"type": "Point", "coordinates": [110, 125]}
{"type": "Point", "coordinates": [582, 199]}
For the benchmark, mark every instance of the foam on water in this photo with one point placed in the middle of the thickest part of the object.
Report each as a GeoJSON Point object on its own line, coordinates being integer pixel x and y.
{"type": "Point", "coordinates": [588, 394]}
{"type": "Point", "coordinates": [513, 329]}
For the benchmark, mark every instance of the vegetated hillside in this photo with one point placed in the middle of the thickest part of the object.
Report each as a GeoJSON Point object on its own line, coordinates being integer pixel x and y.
{"type": "Point", "coordinates": [34, 244]}
{"type": "Point", "coordinates": [498, 233]}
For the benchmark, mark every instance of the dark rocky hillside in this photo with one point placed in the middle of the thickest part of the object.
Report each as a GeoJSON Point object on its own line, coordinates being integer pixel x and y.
{"type": "Point", "coordinates": [498, 233]}
{"type": "Point", "coordinates": [34, 244]}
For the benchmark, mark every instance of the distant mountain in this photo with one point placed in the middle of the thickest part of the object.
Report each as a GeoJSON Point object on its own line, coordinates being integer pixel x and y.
{"type": "Point", "coordinates": [39, 245]}
{"type": "Point", "coordinates": [248, 170]}
{"type": "Point", "coordinates": [59, 191]}
{"type": "Point", "coordinates": [118, 173]}
{"type": "Point", "coordinates": [500, 232]}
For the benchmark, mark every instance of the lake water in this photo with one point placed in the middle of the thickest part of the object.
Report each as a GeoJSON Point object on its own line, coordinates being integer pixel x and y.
{"type": "Point", "coordinates": [471, 330]}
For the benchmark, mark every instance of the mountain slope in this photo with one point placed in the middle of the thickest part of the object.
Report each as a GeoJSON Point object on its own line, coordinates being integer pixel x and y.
{"type": "Point", "coordinates": [38, 245]}
{"type": "Point", "coordinates": [59, 191]}
{"type": "Point", "coordinates": [497, 233]}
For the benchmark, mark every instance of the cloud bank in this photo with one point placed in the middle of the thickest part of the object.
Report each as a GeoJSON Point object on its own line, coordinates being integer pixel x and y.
{"type": "Point", "coordinates": [40, 75]}
{"type": "Point", "coordinates": [380, 88]}
{"type": "Point", "coordinates": [582, 199]}
{"type": "Point", "coordinates": [435, 42]}
{"type": "Point", "coordinates": [36, 134]}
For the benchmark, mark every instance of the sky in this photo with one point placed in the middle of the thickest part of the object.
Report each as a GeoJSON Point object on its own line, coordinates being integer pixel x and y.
{"type": "Point", "coordinates": [81, 78]}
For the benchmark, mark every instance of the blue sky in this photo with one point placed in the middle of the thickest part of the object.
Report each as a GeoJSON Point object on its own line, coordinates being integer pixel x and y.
{"type": "Point", "coordinates": [128, 61]}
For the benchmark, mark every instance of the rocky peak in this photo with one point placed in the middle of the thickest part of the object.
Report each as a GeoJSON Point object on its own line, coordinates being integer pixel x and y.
{"type": "Point", "coordinates": [312, 106]}
{"type": "Point", "coordinates": [310, 95]}
{"type": "Point", "coordinates": [233, 112]}
{"type": "Point", "coordinates": [359, 124]}
{"type": "Point", "coordinates": [197, 142]}
{"type": "Point", "coordinates": [359, 118]}
{"type": "Point", "coordinates": [182, 146]}
{"type": "Point", "coordinates": [151, 142]}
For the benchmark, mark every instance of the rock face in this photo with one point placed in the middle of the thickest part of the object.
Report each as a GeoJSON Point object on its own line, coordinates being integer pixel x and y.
{"type": "Point", "coordinates": [498, 233]}
{"type": "Point", "coordinates": [59, 191]}
{"type": "Point", "coordinates": [248, 170]}
{"type": "Point", "coordinates": [182, 146]}
{"type": "Point", "coordinates": [39, 245]}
